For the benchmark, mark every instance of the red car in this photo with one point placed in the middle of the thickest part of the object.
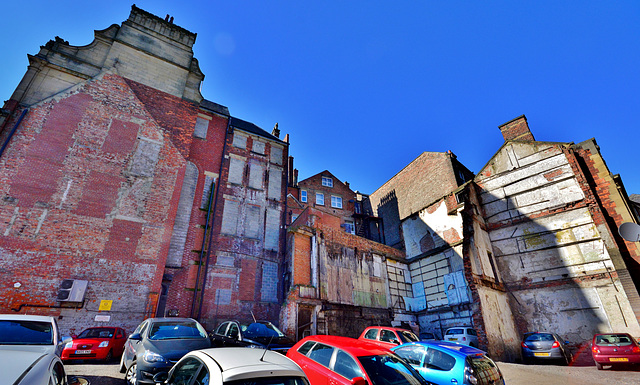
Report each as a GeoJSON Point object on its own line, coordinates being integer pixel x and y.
{"type": "Point", "coordinates": [347, 361]}
{"type": "Point", "coordinates": [387, 336]}
{"type": "Point", "coordinates": [614, 349]}
{"type": "Point", "coordinates": [99, 343]}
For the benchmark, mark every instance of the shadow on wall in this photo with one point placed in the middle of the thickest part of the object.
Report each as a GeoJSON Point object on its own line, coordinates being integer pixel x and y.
{"type": "Point", "coordinates": [388, 209]}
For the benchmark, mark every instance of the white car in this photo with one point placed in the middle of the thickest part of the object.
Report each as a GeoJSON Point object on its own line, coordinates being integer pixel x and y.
{"type": "Point", "coordinates": [34, 333]}
{"type": "Point", "coordinates": [226, 365]}
{"type": "Point", "coordinates": [21, 367]}
{"type": "Point", "coordinates": [464, 335]}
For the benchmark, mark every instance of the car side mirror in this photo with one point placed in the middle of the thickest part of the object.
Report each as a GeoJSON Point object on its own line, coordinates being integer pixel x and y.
{"type": "Point", "coordinates": [135, 337]}
{"type": "Point", "coordinates": [358, 381]}
{"type": "Point", "coordinates": [160, 378]}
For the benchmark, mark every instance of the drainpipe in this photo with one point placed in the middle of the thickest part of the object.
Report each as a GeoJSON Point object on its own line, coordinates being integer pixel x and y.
{"type": "Point", "coordinates": [13, 131]}
{"type": "Point", "coordinates": [286, 215]}
{"type": "Point", "coordinates": [215, 204]}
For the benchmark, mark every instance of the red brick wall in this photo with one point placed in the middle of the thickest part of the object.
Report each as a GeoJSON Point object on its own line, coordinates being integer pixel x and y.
{"type": "Point", "coordinates": [71, 210]}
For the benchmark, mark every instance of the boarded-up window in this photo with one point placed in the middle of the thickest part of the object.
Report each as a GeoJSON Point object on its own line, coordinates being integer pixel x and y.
{"type": "Point", "coordinates": [275, 183]}
{"type": "Point", "coordinates": [253, 223]}
{"type": "Point", "coordinates": [272, 230]}
{"type": "Point", "coordinates": [377, 266]}
{"type": "Point", "coordinates": [145, 158]}
{"type": "Point", "coordinates": [200, 131]}
{"type": "Point", "coordinates": [269, 290]}
{"type": "Point", "coordinates": [276, 155]}
{"type": "Point", "coordinates": [236, 170]}
{"type": "Point", "coordinates": [223, 296]}
{"type": "Point", "coordinates": [239, 141]}
{"type": "Point", "coordinates": [258, 147]}
{"type": "Point", "coordinates": [207, 191]}
{"type": "Point", "coordinates": [255, 175]}
{"type": "Point", "coordinates": [230, 217]}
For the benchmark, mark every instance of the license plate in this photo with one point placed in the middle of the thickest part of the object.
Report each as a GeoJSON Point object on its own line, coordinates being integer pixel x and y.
{"type": "Point", "coordinates": [453, 339]}
{"type": "Point", "coordinates": [623, 359]}
{"type": "Point", "coordinates": [541, 354]}
{"type": "Point", "coordinates": [83, 351]}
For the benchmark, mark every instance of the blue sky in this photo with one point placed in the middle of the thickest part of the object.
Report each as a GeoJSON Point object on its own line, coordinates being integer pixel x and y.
{"type": "Point", "coordinates": [364, 87]}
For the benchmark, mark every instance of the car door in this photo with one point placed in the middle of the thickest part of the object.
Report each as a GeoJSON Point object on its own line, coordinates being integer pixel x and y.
{"type": "Point", "coordinates": [118, 342]}
{"type": "Point", "coordinates": [316, 364]}
{"type": "Point", "coordinates": [344, 368]}
{"type": "Point", "coordinates": [232, 336]}
{"type": "Point", "coordinates": [132, 346]}
{"type": "Point", "coordinates": [219, 335]}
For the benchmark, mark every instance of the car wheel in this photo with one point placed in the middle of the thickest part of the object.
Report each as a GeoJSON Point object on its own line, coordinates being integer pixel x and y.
{"type": "Point", "coordinates": [132, 374]}
{"type": "Point", "coordinates": [598, 366]}
{"type": "Point", "coordinates": [109, 356]}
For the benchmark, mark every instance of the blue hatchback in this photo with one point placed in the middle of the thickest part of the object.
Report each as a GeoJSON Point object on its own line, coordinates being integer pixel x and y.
{"type": "Point", "coordinates": [446, 363]}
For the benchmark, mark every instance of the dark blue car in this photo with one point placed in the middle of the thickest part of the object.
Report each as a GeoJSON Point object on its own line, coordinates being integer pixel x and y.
{"type": "Point", "coordinates": [446, 363]}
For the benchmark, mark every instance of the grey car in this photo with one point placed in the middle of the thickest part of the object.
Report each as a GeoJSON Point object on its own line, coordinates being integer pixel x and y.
{"type": "Point", "coordinates": [157, 344]}
{"type": "Point", "coordinates": [222, 366]}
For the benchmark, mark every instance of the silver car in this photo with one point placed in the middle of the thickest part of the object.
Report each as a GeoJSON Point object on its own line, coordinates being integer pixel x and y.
{"type": "Point", "coordinates": [32, 333]}
{"type": "Point", "coordinates": [237, 366]}
{"type": "Point", "coordinates": [20, 367]}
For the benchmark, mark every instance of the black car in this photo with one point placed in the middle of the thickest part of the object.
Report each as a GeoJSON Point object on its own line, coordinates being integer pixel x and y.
{"type": "Point", "coordinates": [157, 344]}
{"type": "Point", "coordinates": [544, 346]}
{"type": "Point", "coordinates": [260, 334]}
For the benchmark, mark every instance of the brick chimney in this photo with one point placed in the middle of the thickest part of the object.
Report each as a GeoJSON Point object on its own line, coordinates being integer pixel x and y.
{"type": "Point", "coordinates": [516, 129]}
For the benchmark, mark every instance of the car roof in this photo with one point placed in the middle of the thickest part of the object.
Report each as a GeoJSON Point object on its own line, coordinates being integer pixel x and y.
{"type": "Point", "coordinates": [390, 328]}
{"type": "Point", "coordinates": [25, 317]}
{"type": "Point", "coordinates": [240, 363]}
{"type": "Point", "coordinates": [358, 348]}
{"type": "Point", "coordinates": [449, 347]}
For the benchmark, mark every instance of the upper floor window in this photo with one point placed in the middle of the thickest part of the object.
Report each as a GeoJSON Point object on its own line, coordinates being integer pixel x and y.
{"type": "Point", "coordinates": [320, 199]}
{"type": "Point", "coordinates": [327, 182]}
{"type": "Point", "coordinates": [336, 202]}
{"type": "Point", "coordinates": [349, 227]}
{"type": "Point", "coordinates": [303, 195]}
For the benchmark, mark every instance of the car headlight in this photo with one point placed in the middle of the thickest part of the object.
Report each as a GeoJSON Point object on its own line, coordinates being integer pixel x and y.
{"type": "Point", "coordinates": [103, 344]}
{"type": "Point", "coordinates": [151, 357]}
{"type": "Point", "coordinates": [69, 345]}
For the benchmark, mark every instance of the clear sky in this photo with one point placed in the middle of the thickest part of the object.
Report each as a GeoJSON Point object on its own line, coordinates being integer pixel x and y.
{"type": "Point", "coordinates": [364, 87]}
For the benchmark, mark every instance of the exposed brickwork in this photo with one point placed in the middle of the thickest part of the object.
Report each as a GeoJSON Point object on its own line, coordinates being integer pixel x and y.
{"type": "Point", "coordinates": [517, 129]}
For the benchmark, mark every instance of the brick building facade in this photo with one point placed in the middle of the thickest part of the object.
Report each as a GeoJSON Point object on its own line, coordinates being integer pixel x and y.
{"type": "Point", "coordinates": [117, 173]}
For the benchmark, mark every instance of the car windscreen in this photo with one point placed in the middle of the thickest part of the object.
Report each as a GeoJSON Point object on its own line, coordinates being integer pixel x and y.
{"type": "Point", "coordinates": [270, 381]}
{"type": "Point", "coordinates": [97, 333]}
{"type": "Point", "coordinates": [16, 332]}
{"type": "Point", "coordinates": [388, 369]}
{"type": "Point", "coordinates": [484, 369]}
{"type": "Point", "coordinates": [174, 330]}
{"type": "Point", "coordinates": [406, 336]}
{"type": "Point", "coordinates": [259, 330]}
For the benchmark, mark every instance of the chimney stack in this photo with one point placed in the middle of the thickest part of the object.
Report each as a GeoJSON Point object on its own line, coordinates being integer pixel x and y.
{"type": "Point", "coordinates": [276, 131]}
{"type": "Point", "coordinates": [516, 129]}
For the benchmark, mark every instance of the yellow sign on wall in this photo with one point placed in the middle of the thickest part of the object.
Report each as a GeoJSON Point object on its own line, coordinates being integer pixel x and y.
{"type": "Point", "coordinates": [105, 304]}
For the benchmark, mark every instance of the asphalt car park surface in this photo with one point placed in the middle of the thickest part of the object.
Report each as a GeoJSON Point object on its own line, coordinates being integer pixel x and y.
{"type": "Point", "coordinates": [514, 374]}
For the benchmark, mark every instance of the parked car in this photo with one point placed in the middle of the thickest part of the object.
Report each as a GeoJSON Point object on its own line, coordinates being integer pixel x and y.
{"type": "Point", "coordinates": [387, 336]}
{"type": "Point", "coordinates": [31, 332]}
{"type": "Point", "coordinates": [260, 334]}
{"type": "Point", "coordinates": [157, 344]}
{"type": "Point", "coordinates": [227, 365]}
{"type": "Point", "coordinates": [464, 335]}
{"type": "Point", "coordinates": [427, 336]}
{"type": "Point", "coordinates": [99, 343]}
{"type": "Point", "coordinates": [446, 363]}
{"type": "Point", "coordinates": [614, 349]}
{"type": "Point", "coordinates": [544, 346]}
{"type": "Point", "coordinates": [23, 367]}
{"type": "Point", "coordinates": [347, 361]}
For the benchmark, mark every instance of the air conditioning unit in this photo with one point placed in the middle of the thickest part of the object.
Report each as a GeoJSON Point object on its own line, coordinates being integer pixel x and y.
{"type": "Point", "coordinates": [72, 290]}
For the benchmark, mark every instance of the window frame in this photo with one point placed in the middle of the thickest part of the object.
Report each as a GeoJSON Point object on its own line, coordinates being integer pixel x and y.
{"type": "Point", "coordinates": [337, 199]}
{"type": "Point", "coordinates": [321, 195]}
{"type": "Point", "coordinates": [327, 181]}
{"type": "Point", "coordinates": [304, 196]}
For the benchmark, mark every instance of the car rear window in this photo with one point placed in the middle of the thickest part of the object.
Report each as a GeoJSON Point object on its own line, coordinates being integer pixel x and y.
{"type": "Point", "coordinates": [321, 354]}
{"type": "Point", "coordinates": [484, 369]}
{"type": "Point", "coordinates": [455, 331]}
{"type": "Point", "coordinates": [540, 337]}
{"type": "Point", "coordinates": [614, 339]}
{"type": "Point", "coordinates": [175, 330]}
{"type": "Point", "coordinates": [407, 336]}
{"type": "Point", "coordinates": [371, 334]}
{"type": "Point", "coordinates": [304, 349]}
{"type": "Point", "coordinates": [17, 332]}
{"type": "Point", "coordinates": [438, 360]}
